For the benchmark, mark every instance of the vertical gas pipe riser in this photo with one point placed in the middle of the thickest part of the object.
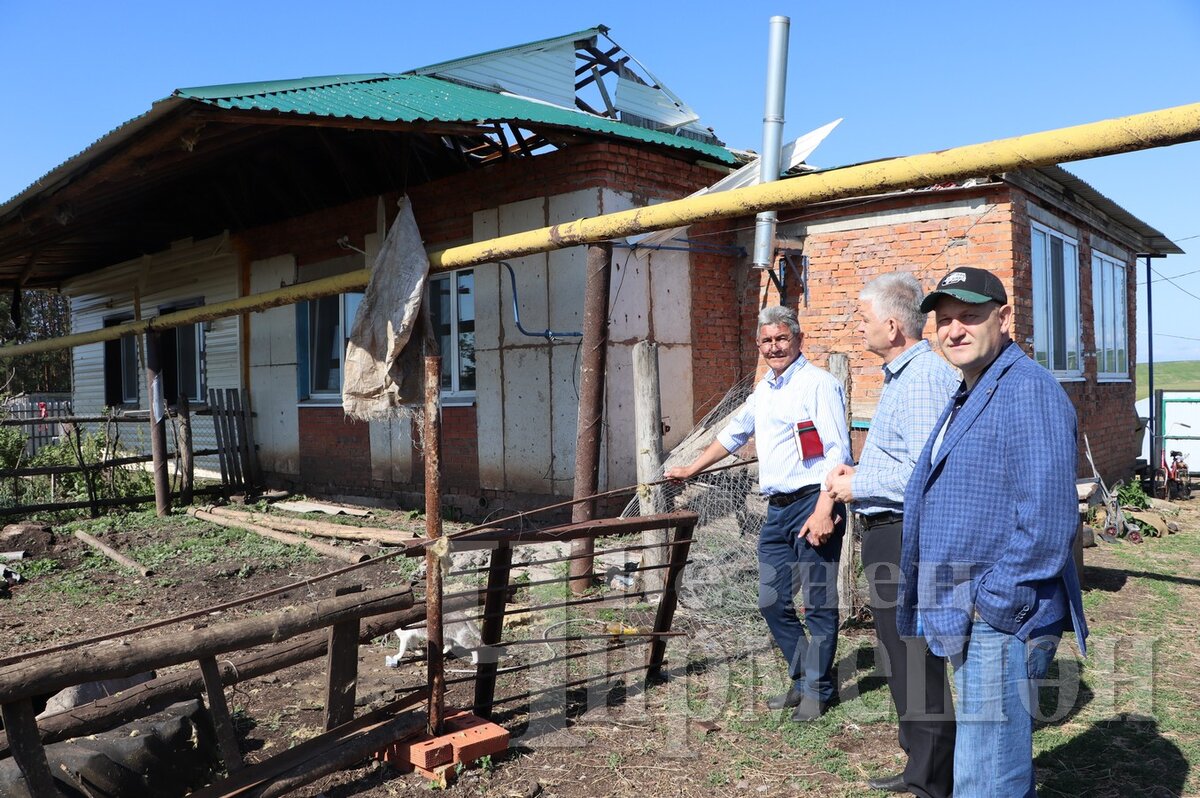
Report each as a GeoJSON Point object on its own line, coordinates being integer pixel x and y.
{"type": "Point", "coordinates": [591, 404]}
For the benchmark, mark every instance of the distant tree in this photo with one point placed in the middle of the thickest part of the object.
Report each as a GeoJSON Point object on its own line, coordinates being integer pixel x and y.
{"type": "Point", "coordinates": [42, 314]}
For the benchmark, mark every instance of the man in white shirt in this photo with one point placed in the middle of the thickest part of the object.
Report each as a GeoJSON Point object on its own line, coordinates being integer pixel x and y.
{"type": "Point", "coordinates": [797, 415]}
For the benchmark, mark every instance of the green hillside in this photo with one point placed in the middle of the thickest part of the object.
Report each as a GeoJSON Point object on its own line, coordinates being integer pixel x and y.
{"type": "Point", "coordinates": [1176, 375]}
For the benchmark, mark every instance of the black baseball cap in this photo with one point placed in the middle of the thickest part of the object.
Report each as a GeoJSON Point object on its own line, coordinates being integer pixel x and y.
{"type": "Point", "coordinates": [973, 286]}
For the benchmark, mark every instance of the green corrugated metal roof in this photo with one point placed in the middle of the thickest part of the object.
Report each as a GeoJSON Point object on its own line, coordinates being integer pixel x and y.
{"type": "Point", "coordinates": [416, 98]}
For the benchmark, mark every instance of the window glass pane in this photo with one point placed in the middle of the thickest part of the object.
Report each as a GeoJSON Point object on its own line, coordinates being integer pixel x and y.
{"type": "Point", "coordinates": [1099, 306]}
{"type": "Point", "coordinates": [1058, 316]}
{"type": "Point", "coordinates": [441, 316]}
{"type": "Point", "coordinates": [129, 369]}
{"type": "Point", "coordinates": [465, 351]}
{"type": "Point", "coordinates": [325, 344]}
{"type": "Point", "coordinates": [187, 354]}
{"type": "Point", "coordinates": [1041, 342]}
{"type": "Point", "coordinates": [1110, 320]}
{"type": "Point", "coordinates": [1121, 316]}
{"type": "Point", "coordinates": [351, 301]}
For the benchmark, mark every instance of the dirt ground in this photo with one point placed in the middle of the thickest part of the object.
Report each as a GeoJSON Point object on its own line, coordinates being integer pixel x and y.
{"type": "Point", "coordinates": [590, 727]}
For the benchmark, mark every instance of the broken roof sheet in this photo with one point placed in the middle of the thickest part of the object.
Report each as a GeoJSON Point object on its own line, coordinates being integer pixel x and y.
{"type": "Point", "coordinates": [417, 98]}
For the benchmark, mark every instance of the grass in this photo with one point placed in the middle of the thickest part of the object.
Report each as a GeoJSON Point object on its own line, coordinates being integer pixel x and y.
{"type": "Point", "coordinates": [1176, 375]}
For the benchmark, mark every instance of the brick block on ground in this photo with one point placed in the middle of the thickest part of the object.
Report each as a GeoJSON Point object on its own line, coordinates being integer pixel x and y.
{"type": "Point", "coordinates": [466, 738]}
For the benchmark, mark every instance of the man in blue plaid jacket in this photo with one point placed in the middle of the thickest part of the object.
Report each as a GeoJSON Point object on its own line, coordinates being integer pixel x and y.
{"type": "Point", "coordinates": [990, 515]}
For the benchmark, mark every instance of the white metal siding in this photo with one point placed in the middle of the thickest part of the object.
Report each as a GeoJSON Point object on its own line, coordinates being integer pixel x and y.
{"type": "Point", "coordinates": [188, 271]}
{"type": "Point", "coordinates": [547, 74]}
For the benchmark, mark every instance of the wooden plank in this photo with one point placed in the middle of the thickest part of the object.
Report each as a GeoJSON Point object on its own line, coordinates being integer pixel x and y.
{"type": "Point", "coordinates": [218, 433]}
{"type": "Point", "coordinates": [493, 627]}
{"type": "Point", "coordinates": [187, 463]}
{"type": "Point", "coordinates": [322, 754]}
{"type": "Point", "coordinates": [157, 694]}
{"type": "Point", "coordinates": [665, 616]}
{"type": "Point", "coordinates": [113, 554]}
{"type": "Point", "coordinates": [343, 554]}
{"type": "Point", "coordinates": [241, 433]}
{"type": "Point", "coordinates": [35, 675]}
{"type": "Point", "coordinates": [228, 416]}
{"type": "Point", "coordinates": [253, 472]}
{"type": "Point", "coordinates": [214, 688]}
{"type": "Point", "coordinates": [342, 668]}
{"type": "Point", "coordinates": [21, 727]}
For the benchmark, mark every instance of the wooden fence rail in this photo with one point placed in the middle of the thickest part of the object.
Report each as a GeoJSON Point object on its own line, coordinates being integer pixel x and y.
{"type": "Point", "coordinates": [21, 681]}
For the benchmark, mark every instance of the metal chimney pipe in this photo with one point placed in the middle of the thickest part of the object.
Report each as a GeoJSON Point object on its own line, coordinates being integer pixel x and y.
{"type": "Point", "coordinates": [777, 55]}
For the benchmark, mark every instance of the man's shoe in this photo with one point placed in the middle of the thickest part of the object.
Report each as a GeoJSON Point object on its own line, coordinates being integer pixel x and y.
{"type": "Point", "coordinates": [785, 700]}
{"type": "Point", "coordinates": [888, 783]}
{"type": "Point", "coordinates": [811, 709]}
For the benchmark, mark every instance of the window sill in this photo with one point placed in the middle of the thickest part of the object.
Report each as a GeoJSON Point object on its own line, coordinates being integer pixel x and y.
{"type": "Point", "coordinates": [1070, 378]}
{"type": "Point", "coordinates": [1113, 378]}
{"type": "Point", "coordinates": [458, 400]}
{"type": "Point", "coordinates": [320, 401]}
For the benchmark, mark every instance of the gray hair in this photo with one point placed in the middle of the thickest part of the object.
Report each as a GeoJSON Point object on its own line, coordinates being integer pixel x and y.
{"type": "Point", "coordinates": [778, 314]}
{"type": "Point", "coordinates": [897, 296]}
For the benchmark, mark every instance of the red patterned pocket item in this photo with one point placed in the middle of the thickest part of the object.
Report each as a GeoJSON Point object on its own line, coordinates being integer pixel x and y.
{"type": "Point", "coordinates": [808, 440]}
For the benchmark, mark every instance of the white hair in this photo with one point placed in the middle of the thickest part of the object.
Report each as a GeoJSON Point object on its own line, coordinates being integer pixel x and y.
{"type": "Point", "coordinates": [778, 314]}
{"type": "Point", "coordinates": [897, 296]}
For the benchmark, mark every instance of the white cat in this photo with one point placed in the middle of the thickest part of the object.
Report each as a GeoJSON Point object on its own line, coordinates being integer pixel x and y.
{"type": "Point", "coordinates": [458, 636]}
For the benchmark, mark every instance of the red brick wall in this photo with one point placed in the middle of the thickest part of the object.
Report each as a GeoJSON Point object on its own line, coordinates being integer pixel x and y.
{"type": "Point", "coordinates": [840, 263]}
{"type": "Point", "coordinates": [335, 451]}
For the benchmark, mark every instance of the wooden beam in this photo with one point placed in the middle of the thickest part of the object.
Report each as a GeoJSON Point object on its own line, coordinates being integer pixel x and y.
{"type": "Point", "coordinates": [21, 727]}
{"type": "Point", "coordinates": [38, 675]}
{"type": "Point", "coordinates": [214, 688]}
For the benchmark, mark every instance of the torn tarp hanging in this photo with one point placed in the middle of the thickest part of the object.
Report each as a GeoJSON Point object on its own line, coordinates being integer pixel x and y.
{"type": "Point", "coordinates": [383, 356]}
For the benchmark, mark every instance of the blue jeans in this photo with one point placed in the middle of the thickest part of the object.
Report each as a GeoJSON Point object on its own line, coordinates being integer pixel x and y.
{"type": "Point", "coordinates": [997, 696]}
{"type": "Point", "coordinates": [788, 564]}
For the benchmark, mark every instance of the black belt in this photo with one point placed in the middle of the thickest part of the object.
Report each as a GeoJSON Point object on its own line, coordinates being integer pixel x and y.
{"type": "Point", "coordinates": [880, 519]}
{"type": "Point", "coordinates": [784, 499]}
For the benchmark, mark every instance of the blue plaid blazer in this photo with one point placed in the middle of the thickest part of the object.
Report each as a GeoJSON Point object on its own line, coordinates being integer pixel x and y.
{"type": "Point", "coordinates": [989, 522]}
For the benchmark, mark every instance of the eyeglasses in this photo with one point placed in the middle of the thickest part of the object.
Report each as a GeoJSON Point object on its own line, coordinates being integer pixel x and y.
{"type": "Point", "coordinates": [783, 340]}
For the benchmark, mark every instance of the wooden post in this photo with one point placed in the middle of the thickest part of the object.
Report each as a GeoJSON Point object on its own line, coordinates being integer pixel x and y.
{"type": "Point", "coordinates": [431, 443]}
{"type": "Point", "coordinates": [647, 425]}
{"type": "Point", "coordinates": [342, 667]}
{"type": "Point", "coordinates": [681, 546]}
{"type": "Point", "coordinates": [493, 626]}
{"type": "Point", "coordinates": [21, 727]}
{"type": "Point", "coordinates": [158, 426]}
{"type": "Point", "coordinates": [214, 689]}
{"type": "Point", "coordinates": [591, 405]}
{"type": "Point", "coordinates": [839, 367]}
{"type": "Point", "coordinates": [187, 465]}
{"type": "Point", "coordinates": [214, 403]}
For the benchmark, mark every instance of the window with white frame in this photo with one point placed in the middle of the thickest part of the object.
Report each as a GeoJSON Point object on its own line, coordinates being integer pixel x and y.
{"type": "Point", "coordinates": [1056, 330]}
{"type": "Point", "coordinates": [1109, 313]}
{"type": "Point", "coordinates": [452, 311]}
{"type": "Point", "coordinates": [328, 321]}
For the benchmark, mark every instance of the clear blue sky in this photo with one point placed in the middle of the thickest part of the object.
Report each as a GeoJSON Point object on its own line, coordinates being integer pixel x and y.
{"type": "Point", "coordinates": [907, 77]}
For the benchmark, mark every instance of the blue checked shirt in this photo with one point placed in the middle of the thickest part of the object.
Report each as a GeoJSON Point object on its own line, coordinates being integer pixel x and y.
{"type": "Point", "coordinates": [803, 392]}
{"type": "Point", "coordinates": [917, 386]}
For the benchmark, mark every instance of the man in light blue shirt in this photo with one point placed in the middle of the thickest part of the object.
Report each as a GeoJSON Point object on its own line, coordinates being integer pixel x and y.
{"type": "Point", "coordinates": [797, 416]}
{"type": "Point", "coordinates": [917, 386]}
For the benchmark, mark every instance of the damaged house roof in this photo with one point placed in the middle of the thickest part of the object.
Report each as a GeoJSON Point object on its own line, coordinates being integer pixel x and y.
{"type": "Point", "coordinates": [217, 158]}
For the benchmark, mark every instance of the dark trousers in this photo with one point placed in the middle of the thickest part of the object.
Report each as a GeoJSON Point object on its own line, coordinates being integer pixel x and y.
{"type": "Point", "coordinates": [915, 677]}
{"type": "Point", "coordinates": [788, 564]}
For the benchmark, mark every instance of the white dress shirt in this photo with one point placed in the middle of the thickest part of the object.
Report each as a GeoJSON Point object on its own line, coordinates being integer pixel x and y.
{"type": "Point", "coordinates": [803, 392]}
